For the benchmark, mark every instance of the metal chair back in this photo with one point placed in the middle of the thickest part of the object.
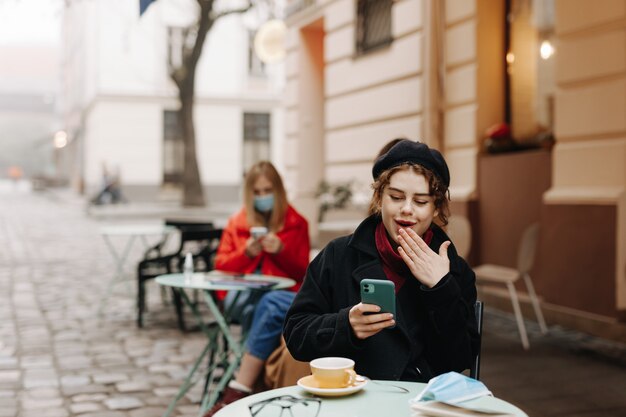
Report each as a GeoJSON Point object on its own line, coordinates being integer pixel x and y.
{"type": "Point", "coordinates": [478, 311]}
{"type": "Point", "coordinates": [201, 239]}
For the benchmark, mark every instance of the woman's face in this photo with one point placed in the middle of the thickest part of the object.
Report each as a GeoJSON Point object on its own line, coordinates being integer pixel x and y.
{"type": "Point", "coordinates": [262, 186]}
{"type": "Point", "coordinates": [406, 203]}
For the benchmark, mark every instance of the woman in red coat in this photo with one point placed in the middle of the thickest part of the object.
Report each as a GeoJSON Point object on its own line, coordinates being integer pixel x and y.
{"type": "Point", "coordinates": [284, 250]}
{"type": "Point", "coordinates": [279, 246]}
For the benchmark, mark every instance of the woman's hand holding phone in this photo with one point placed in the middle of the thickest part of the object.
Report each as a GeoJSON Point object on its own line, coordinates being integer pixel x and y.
{"type": "Point", "coordinates": [262, 241]}
{"type": "Point", "coordinates": [366, 320]}
{"type": "Point", "coordinates": [271, 243]}
{"type": "Point", "coordinates": [253, 244]}
{"type": "Point", "coordinates": [376, 310]}
{"type": "Point", "coordinates": [253, 247]}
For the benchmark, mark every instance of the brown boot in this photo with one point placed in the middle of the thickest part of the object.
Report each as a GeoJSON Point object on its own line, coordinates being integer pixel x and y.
{"type": "Point", "coordinates": [228, 396]}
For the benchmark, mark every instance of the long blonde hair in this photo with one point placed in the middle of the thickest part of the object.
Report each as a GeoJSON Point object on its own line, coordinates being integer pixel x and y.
{"type": "Point", "coordinates": [255, 218]}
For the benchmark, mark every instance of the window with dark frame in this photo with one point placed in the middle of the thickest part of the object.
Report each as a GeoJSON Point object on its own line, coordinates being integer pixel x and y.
{"type": "Point", "coordinates": [256, 138]}
{"type": "Point", "coordinates": [373, 25]}
{"type": "Point", "coordinates": [173, 149]}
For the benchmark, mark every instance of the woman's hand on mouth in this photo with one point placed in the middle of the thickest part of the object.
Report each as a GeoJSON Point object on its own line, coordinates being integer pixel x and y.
{"type": "Point", "coordinates": [426, 265]}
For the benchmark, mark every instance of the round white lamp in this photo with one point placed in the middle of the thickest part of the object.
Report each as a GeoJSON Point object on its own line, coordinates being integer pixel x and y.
{"type": "Point", "coordinates": [60, 139]}
{"type": "Point", "coordinates": [269, 42]}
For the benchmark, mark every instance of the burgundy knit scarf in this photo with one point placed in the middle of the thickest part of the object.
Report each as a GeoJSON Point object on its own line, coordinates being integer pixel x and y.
{"type": "Point", "coordinates": [393, 265]}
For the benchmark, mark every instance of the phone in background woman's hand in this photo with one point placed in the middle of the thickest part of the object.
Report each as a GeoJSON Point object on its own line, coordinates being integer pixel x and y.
{"type": "Point", "coordinates": [258, 232]}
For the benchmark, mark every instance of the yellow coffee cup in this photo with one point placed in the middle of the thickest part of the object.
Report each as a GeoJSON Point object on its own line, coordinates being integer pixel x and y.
{"type": "Point", "coordinates": [333, 372]}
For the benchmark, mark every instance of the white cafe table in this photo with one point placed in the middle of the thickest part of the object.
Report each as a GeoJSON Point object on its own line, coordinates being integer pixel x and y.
{"type": "Point", "coordinates": [222, 349]}
{"type": "Point", "coordinates": [131, 232]}
{"type": "Point", "coordinates": [376, 399]}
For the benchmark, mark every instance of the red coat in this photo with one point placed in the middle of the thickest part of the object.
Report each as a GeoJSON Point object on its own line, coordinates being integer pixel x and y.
{"type": "Point", "coordinates": [290, 262]}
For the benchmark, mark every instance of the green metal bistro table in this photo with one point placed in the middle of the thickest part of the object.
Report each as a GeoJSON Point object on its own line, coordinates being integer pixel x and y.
{"type": "Point", "coordinates": [221, 349]}
{"type": "Point", "coordinates": [376, 399]}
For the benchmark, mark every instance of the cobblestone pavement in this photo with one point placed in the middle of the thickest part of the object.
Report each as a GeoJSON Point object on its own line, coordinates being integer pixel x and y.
{"type": "Point", "coordinates": [58, 358]}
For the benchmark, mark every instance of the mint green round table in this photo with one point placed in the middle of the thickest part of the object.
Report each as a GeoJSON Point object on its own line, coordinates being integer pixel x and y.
{"type": "Point", "coordinates": [227, 354]}
{"type": "Point", "coordinates": [376, 399]}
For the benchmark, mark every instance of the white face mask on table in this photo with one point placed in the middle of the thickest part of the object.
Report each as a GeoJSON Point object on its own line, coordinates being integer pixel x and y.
{"type": "Point", "coordinates": [452, 388]}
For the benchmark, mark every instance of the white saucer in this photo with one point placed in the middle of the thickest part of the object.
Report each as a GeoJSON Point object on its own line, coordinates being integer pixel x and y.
{"type": "Point", "coordinates": [309, 384]}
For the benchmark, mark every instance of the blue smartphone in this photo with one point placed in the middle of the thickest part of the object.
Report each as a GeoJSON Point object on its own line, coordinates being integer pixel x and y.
{"type": "Point", "coordinates": [380, 292]}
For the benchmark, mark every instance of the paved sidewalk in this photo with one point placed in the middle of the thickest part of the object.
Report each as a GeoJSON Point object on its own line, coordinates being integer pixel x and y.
{"type": "Point", "coordinates": [565, 373]}
{"type": "Point", "coordinates": [59, 359]}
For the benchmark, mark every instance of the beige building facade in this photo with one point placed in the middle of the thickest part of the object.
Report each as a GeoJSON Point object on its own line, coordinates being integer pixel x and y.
{"type": "Point", "coordinates": [441, 77]}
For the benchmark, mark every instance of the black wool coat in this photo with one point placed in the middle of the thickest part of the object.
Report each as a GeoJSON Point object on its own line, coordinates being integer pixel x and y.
{"type": "Point", "coordinates": [435, 328]}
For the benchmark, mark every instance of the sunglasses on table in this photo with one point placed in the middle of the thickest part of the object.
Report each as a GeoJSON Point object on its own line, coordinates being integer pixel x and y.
{"type": "Point", "coordinates": [286, 406]}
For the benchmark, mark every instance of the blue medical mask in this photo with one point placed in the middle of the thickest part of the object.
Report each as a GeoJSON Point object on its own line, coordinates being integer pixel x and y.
{"type": "Point", "coordinates": [452, 388]}
{"type": "Point", "coordinates": [264, 203]}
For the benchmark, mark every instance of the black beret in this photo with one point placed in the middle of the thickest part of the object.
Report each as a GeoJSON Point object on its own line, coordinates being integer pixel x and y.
{"type": "Point", "coordinates": [407, 151]}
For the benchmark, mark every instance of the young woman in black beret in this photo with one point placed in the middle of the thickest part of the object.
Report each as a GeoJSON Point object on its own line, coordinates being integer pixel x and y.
{"type": "Point", "coordinates": [434, 330]}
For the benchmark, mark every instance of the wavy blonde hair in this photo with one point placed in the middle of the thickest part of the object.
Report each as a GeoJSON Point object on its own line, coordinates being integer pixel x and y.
{"type": "Point", "coordinates": [254, 217]}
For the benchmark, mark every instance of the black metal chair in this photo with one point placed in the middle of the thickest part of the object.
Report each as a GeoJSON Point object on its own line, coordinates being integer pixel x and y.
{"type": "Point", "coordinates": [478, 311]}
{"type": "Point", "coordinates": [200, 239]}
